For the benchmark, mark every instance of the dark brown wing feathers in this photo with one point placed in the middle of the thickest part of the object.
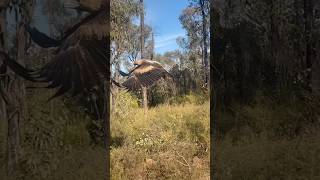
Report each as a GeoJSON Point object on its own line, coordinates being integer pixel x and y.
{"type": "Point", "coordinates": [81, 62]}
{"type": "Point", "coordinates": [132, 83]}
{"type": "Point", "coordinates": [146, 75]}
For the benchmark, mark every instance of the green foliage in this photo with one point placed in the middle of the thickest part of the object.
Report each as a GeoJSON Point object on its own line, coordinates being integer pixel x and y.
{"type": "Point", "coordinates": [191, 98]}
{"type": "Point", "coordinates": [161, 92]}
{"type": "Point", "coordinates": [124, 103]}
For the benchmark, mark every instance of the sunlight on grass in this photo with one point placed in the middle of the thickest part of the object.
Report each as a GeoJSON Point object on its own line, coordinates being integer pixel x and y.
{"type": "Point", "coordinates": [168, 142]}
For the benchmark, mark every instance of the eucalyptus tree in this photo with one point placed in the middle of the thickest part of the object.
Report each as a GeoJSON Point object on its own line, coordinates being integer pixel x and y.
{"type": "Point", "coordinates": [195, 20]}
{"type": "Point", "coordinates": [13, 92]}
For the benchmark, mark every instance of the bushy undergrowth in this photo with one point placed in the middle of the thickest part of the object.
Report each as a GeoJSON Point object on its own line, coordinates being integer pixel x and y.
{"type": "Point", "coordinates": [269, 140]}
{"type": "Point", "coordinates": [56, 143]}
{"type": "Point", "coordinates": [166, 142]}
{"type": "Point", "coordinates": [191, 98]}
{"type": "Point", "coordinates": [260, 158]}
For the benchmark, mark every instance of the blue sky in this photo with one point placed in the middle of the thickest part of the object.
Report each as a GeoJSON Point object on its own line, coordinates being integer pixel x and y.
{"type": "Point", "coordinates": [163, 16]}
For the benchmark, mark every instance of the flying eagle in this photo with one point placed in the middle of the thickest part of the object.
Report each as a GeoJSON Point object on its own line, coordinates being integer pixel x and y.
{"type": "Point", "coordinates": [144, 74]}
{"type": "Point", "coordinates": [80, 62]}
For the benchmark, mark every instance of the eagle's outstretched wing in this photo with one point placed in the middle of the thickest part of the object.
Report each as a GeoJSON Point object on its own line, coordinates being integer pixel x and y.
{"type": "Point", "coordinates": [132, 83]}
{"type": "Point", "coordinates": [80, 62]}
{"type": "Point", "coordinates": [145, 75]}
{"type": "Point", "coordinates": [148, 75]}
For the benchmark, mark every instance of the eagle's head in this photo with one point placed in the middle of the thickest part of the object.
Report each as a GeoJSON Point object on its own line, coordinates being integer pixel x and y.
{"type": "Point", "coordinates": [138, 62]}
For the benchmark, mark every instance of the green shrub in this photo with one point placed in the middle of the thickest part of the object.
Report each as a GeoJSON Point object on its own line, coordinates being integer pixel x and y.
{"type": "Point", "coordinates": [191, 98]}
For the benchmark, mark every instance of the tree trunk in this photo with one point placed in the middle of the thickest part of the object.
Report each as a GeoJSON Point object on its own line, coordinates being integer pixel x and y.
{"type": "Point", "coordinates": [274, 43]}
{"type": "Point", "coordinates": [145, 98]}
{"type": "Point", "coordinates": [9, 108]}
{"type": "Point", "coordinates": [16, 105]}
{"type": "Point", "coordinates": [205, 45]}
{"type": "Point", "coordinates": [3, 114]}
{"type": "Point", "coordinates": [144, 89]}
{"type": "Point", "coordinates": [107, 84]}
{"type": "Point", "coordinates": [141, 30]}
{"type": "Point", "coordinates": [115, 89]}
{"type": "Point", "coordinates": [152, 47]}
{"type": "Point", "coordinates": [13, 138]}
{"type": "Point", "coordinates": [19, 82]}
{"type": "Point", "coordinates": [309, 53]}
{"type": "Point", "coordinates": [106, 125]}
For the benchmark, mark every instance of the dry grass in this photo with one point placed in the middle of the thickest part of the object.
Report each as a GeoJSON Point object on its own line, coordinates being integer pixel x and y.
{"type": "Point", "coordinates": [168, 142]}
{"type": "Point", "coordinates": [261, 158]}
{"type": "Point", "coordinates": [270, 141]}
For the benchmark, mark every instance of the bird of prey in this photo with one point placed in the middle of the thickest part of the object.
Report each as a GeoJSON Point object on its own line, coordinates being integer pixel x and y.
{"type": "Point", "coordinates": [144, 74]}
{"type": "Point", "coordinates": [80, 60]}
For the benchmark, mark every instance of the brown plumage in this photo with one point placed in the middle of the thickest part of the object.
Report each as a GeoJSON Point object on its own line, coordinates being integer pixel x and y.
{"type": "Point", "coordinates": [80, 61]}
{"type": "Point", "coordinates": [145, 73]}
